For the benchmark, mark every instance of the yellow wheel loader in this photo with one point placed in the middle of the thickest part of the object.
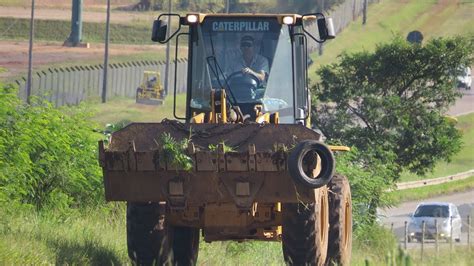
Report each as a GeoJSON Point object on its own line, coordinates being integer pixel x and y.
{"type": "Point", "coordinates": [243, 162]}
{"type": "Point", "coordinates": [150, 90]}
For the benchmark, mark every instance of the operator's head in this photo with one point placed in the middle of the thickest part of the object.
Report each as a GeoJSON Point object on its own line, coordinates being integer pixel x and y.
{"type": "Point", "coordinates": [246, 45]}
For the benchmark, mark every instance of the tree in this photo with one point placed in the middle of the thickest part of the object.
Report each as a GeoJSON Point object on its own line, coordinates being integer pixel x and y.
{"type": "Point", "coordinates": [391, 104]}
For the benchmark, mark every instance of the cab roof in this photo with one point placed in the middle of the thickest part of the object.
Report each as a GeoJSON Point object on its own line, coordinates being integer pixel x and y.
{"type": "Point", "coordinates": [297, 18]}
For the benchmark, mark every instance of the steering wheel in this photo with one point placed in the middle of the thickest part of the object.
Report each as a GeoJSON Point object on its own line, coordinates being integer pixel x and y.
{"type": "Point", "coordinates": [243, 86]}
{"type": "Point", "coordinates": [239, 74]}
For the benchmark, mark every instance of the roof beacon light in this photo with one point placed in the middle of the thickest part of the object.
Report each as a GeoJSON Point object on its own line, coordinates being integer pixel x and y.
{"type": "Point", "coordinates": [192, 18]}
{"type": "Point", "coordinates": [289, 20]}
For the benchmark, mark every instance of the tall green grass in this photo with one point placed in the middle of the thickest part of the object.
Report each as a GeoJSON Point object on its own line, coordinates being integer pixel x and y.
{"type": "Point", "coordinates": [97, 236]}
{"type": "Point", "coordinates": [87, 237]}
{"type": "Point", "coordinates": [56, 30]}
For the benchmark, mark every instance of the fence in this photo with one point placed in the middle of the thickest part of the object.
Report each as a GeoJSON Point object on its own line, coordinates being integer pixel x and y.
{"type": "Point", "coordinates": [71, 85]}
{"type": "Point", "coordinates": [342, 15]}
{"type": "Point", "coordinates": [429, 235]}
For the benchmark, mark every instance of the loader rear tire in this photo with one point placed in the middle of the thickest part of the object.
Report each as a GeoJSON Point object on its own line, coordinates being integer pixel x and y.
{"type": "Point", "coordinates": [305, 231]}
{"type": "Point", "coordinates": [340, 221]}
{"type": "Point", "coordinates": [152, 242]}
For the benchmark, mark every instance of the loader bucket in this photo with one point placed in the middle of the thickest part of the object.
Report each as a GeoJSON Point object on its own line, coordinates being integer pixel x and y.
{"type": "Point", "coordinates": [256, 170]}
{"type": "Point", "coordinates": [149, 101]}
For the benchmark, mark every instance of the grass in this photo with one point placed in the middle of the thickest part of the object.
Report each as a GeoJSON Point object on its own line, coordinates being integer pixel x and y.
{"type": "Point", "coordinates": [461, 256]}
{"type": "Point", "coordinates": [126, 110]}
{"type": "Point", "coordinates": [461, 162]}
{"type": "Point", "coordinates": [393, 17]}
{"type": "Point", "coordinates": [30, 238]}
{"type": "Point", "coordinates": [97, 236]}
{"type": "Point", "coordinates": [431, 191]}
{"type": "Point", "coordinates": [18, 29]}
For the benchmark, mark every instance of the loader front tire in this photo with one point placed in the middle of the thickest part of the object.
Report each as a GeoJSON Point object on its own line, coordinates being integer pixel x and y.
{"type": "Point", "coordinates": [185, 245]}
{"type": "Point", "coordinates": [147, 238]}
{"type": "Point", "coordinates": [151, 241]}
{"type": "Point", "coordinates": [305, 231]}
{"type": "Point", "coordinates": [340, 221]}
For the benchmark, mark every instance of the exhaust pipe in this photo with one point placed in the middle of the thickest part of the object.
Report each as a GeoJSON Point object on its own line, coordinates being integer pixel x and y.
{"type": "Point", "coordinates": [304, 159]}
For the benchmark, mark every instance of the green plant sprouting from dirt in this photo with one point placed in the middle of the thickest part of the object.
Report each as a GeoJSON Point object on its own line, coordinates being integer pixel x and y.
{"type": "Point", "coordinates": [111, 128]}
{"type": "Point", "coordinates": [175, 152]}
{"type": "Point", "coordinates": [213, 147]}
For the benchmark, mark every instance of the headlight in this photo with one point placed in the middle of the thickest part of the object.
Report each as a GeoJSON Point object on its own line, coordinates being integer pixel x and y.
{"type": "Point", "coordinates": [192, 18]}
{"type": "Point", "coordinates": [289, 20]}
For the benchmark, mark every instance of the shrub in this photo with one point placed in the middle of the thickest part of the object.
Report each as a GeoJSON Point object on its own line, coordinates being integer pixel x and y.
{"type": "Point", "coordinates": [47, 157]}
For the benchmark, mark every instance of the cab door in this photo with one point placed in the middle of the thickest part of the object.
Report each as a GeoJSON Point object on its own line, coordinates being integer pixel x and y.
{"type": "Point", "coordinates": [302, 105]}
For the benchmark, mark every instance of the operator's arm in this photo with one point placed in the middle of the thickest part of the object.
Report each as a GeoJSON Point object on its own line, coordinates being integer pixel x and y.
{"type": "Point", "coordinates": [261, 68]}
{"type": "Point", "coordinates": [260, 75]}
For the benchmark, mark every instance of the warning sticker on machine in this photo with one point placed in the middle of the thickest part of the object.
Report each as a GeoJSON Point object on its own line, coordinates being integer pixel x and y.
{"type": "Point", "coordinates": [241, 26]}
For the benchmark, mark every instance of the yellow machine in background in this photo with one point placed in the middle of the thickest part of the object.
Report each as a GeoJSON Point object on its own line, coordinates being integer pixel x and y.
{"type": "Point", "coordinates": [150, 90]}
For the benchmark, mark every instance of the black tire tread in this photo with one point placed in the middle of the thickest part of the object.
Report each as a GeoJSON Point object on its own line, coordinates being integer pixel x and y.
{"type": "Point", "coordinates": [338, 253]}
{"type": "Point", "coordinates": [300, 233]}
{"type": "Point", "coordinates": [145, 235]}
{"type": "Point", "coordinates": [151, 241]}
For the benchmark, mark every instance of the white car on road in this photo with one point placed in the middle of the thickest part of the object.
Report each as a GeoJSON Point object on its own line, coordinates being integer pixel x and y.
{"type": "Point", "coordinates": [465, 80]}
{"type": "Point", "coordinates": [447, 220]}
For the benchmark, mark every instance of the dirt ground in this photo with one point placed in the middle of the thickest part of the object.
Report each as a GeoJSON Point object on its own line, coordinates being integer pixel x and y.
{"type": "Point", "coordinates": [14, 55]}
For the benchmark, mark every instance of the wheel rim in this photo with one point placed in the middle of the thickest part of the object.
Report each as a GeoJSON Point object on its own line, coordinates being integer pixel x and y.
{"type": "Point", "coordinates": [347, 223]}
{"type": "Point", "coordinates": [324, 218]}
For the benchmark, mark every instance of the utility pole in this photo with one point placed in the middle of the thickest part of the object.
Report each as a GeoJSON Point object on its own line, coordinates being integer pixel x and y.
{"type": "Point", "coordinates": [321, 10]}
{"type": "Point", "coordinates": [30, 53]}
{"type": "Point", "coordinates": [75, 37]}
{"type": "Point", "coordinates": [364, 13]}
{"type": "Point", "coordinates": [167, 67]}
{"type": "Point", "coordinates": [106, 56]}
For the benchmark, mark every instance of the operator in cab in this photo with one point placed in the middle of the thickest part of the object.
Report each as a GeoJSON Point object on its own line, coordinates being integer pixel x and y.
{"type": "Point", "coordinates": [249, 62]}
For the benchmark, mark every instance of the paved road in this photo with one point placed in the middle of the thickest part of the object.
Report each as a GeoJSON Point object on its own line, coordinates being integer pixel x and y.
{"type": "Point", "coordinates": [400, 214]}
{"type": "Point", "coordinates": [465, 105]}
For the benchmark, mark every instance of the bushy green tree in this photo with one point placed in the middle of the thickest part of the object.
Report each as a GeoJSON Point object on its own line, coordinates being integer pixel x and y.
{"type": "Point", "coordinates": [390, 104]}
{"type": "Point", "coordinates": [47, 157]}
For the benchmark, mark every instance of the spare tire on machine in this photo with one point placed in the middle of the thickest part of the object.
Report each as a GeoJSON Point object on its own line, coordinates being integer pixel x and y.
{"type": "Point", "coordinates": [151, 241]}
{"type": "Point", "coordinates": [304, 156]}
{"type": "Point", "coordinates": [340, 221]}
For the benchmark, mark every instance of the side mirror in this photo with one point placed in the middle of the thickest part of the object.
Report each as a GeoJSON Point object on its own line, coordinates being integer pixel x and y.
{"type": "Point", "coordinates": [160, 28]}
{"type": "Point", "coordinates": [326, 28]}
{"type": "Point", "coordinates": [300, 114]}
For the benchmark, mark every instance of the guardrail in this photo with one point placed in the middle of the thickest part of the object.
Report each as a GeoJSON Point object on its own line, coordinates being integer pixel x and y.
{"type": "Point", "coordinates": [434, 181]}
